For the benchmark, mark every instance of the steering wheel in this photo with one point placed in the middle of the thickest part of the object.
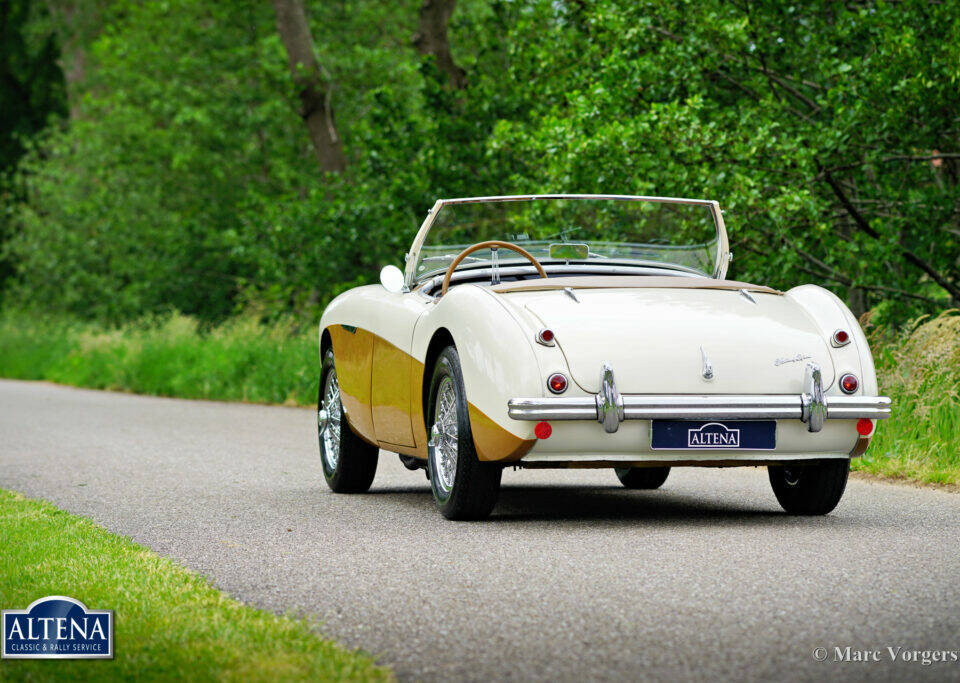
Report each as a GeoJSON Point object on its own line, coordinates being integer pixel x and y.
{"type": "Point", "coordinates": [486, 245]}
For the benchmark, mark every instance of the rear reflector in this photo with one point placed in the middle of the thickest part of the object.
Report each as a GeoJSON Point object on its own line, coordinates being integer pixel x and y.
{"type": "Point", "coordinates": [543, 430]}
{"type": "Point", "coordinates": [864, 426]}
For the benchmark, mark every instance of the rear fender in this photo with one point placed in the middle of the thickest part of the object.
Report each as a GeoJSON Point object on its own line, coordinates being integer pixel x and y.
{"type": "Point", "coordinates": [497, 361]}
{"type": "Point", "coordinates": [830, 314]}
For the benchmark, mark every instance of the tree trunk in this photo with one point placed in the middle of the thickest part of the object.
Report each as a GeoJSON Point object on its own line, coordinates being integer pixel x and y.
{"type": "Point", "coordinates": [857, 300]}
{"type": "Point", "coordinates": [312, 84]}
{"type": "Point", "coordinates": [431, 39]}
{"type": "Point", "coordinates": [76, 24]}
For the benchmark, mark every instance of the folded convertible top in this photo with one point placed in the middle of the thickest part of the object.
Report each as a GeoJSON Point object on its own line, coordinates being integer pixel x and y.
{"type": "Point", "coordinates": [629, 282]}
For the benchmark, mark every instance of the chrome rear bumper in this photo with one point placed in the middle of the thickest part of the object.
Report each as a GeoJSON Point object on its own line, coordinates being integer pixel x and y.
{"type": "Point", "coordinates": [610, 408]}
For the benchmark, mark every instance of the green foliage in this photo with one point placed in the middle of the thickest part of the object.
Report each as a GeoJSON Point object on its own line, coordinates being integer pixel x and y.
{"type": "Point", "coordinates": [31, 85]}
{"type": "Point", "coordinates": [167, 355]}
{"type": "Point", "coordinates": [754, 108]}
{"type": "Point", "coordinates": [829, 132]}
{"type": "Point", "coordinates": [31, 93]}
{"type": "Point", "coordinates": [170, 623]}
{"type": "Point", "coordinates": [921, 372]}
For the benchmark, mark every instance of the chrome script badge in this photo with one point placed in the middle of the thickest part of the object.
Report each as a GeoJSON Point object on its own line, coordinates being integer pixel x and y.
{"type": "Point", "coordinates": [796, 359]}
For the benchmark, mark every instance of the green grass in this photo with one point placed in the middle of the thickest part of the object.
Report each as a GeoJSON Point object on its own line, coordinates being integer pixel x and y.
{"type": "Point", "coordinates": [169, 623]}
{"type": "Point", "coordinates": [920, 371]}
{"type": "Point", "coordinates": [244, 360]}
{"type": "Point", "coordinates": [241, 360]}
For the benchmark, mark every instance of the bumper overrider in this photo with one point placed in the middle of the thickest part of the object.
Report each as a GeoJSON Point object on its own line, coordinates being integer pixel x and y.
{"type": "Point", "coordinates": [609, 407]}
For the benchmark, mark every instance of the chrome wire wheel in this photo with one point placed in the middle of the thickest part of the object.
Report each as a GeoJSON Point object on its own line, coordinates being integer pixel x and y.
{"type": "Point", "coordinates": [328, 420]}
{"type": "Point", "coordinates": [444, 436]}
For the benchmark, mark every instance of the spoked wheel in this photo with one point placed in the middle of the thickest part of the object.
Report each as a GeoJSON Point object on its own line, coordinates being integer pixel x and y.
{"type": "Point", "coordinates": [463, 487]}
{"type": "Point", "coordinates": [349, 463]}
{"type": "Point", "coordinates": [328, 421]}
{"type": "Point", "coordinates": [446, 436]}
{"type": "Point", "coordinates": [642, 477]}
{"type": "Point", "coordinates": [810, 489]}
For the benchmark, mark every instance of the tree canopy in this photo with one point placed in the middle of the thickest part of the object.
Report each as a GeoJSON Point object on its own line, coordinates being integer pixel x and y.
{"type": "Point", "coordinates": [185, 175]}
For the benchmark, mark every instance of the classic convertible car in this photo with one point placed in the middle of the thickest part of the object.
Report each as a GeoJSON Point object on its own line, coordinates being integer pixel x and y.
{"type": "Point", "coordinates": [589, 331]}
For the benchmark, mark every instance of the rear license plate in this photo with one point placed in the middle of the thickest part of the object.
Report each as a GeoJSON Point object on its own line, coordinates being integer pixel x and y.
{"type": "Point", "coordinates": [687, 435]}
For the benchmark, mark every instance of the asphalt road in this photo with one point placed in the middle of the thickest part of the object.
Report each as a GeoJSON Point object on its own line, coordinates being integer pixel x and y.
{"type": "Point", "coordinates": [573, 577]}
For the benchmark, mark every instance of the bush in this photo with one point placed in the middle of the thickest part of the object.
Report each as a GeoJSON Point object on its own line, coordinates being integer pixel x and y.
{"type": "Point", "coordinates": [170, 355]}
{"type": "Point", "coordinates": [920, 371]}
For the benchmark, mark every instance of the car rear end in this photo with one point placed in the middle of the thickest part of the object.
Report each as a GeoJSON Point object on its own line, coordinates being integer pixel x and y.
{"type": "Point", "coordinates": [712, 376]}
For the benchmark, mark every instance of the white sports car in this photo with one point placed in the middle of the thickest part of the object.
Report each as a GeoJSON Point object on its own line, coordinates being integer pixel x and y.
{"type": "Point", "coordinates": [589, 331]}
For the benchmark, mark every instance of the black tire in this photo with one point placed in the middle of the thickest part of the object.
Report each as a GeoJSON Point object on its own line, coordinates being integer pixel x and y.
{"type": "Point", "coordinates": [642, 477]}
{"type": "Point", "coordinates": [810, 489]}
{"type": "Point", "coordinates": [356, 461]}
{"type": "Point", "coordinates": [475, 485]}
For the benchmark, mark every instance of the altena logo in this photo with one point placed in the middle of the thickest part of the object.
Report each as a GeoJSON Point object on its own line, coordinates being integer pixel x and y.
{"type": "Point", "coordinates": [713, 435]}
{"type": "Point", "coordinates": [57, 627]}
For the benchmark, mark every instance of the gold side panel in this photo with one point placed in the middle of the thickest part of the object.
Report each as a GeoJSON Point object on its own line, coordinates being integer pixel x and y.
{"type": "Point", "coordinates": [390, 393]}
{"type": "Point", "coordinates": [392, 400]}
{"type": "Point", "coordinates": [416, 409]}
{"type": "Point", "coordinates": [402, 450]}
{"type": "Point", "coordinates": [353, 354]}
{"type": "Point", "coordinates": [493, 442]}
{"type": "Point", "coordinates": [861, 446]}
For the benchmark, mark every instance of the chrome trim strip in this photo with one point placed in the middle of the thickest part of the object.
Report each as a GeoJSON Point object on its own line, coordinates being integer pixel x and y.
{"type": "Point", "coordinates": [692, 407]}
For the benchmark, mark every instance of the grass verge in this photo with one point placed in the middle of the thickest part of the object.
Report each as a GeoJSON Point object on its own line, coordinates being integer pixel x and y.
{"type": "Point", "coordinates": [243, 360]}
{"type": "Point", "coordinates": [169, 622]}
{"type": "Point", "coordinates": [920, 370]}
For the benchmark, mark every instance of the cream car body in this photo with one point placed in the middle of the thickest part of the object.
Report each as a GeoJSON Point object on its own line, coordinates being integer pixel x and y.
{"type": "Point", "coordinates": [680, 346]}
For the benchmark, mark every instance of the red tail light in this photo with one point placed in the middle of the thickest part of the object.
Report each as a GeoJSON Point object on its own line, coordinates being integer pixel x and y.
{"type": "Point", "coordinates": [849, 383]}
{"type": "Point", "coordinates": [557, 383]}
{"type": "Point", "coordinates": [543, 430]}
{"type": "Point", "coordinates": [841, 338]}
{"type": "Point", "coordinates": [545, 337]}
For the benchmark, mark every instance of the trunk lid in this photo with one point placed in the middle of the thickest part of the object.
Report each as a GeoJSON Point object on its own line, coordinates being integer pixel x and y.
{"type": "Point", "coordinates": [652, 338]}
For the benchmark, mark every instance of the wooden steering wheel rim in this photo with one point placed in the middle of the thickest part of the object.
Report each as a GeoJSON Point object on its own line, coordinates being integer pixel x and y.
{"type": "Point", "coordinates": [486, 245]}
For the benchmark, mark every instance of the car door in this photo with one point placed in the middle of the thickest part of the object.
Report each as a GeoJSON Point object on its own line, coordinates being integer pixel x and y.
{"type": "Point", "coordinates": [393, 367]}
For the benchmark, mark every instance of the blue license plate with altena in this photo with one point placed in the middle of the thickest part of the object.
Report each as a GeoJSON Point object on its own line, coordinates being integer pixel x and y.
{"type": "Point", "coordinates": [689, 435]}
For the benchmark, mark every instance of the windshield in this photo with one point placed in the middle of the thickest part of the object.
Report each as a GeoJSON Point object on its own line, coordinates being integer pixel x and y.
{"type": "Point", "coordinates": [601, 231]}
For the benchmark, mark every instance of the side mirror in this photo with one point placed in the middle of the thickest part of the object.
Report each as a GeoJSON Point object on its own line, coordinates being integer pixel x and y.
{"type": "Point", "coordinates": [391, 278]}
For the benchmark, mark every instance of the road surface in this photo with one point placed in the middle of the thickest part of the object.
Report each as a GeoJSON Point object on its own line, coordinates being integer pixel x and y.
{"type": "Point", "coordinates": [573, 577]}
